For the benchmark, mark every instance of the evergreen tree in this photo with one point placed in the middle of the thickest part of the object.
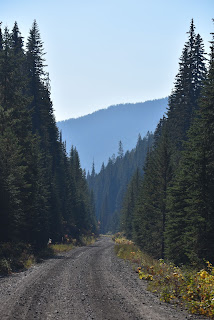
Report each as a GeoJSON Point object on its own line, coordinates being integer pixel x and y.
{"type": "Point", "coordinates": [150, 210]}
{"type": "Point", "coordinates": [151, 215]}
{"type": "Point", "coordinates": [82, 205]}
{"type": "Point", "coordinates": [190, 221]}
{"type": "Point", "coordinates": [35, 65]}
{"type": "Point", "coordinates": [110, 185]}
{"type": "Point", "coordinates": [120, 150]}
{"type": "Point", "coordinates": [183, 101]}
{"type": "Point", "coordinates": [15, 123]}
{"type": "Point", "coordinates": [40, 196]}
{"type": "Point", "coordinates": [11, 180]}
{"type": "Point", "coordinates": [129, 203]}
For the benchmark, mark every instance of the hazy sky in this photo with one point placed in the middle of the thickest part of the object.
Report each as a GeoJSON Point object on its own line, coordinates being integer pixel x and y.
{"type": "Point", "coordinates": [104, 52]}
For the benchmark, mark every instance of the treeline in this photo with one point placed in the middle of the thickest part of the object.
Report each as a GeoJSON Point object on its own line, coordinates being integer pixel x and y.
{"type": "Point", "coordinates": [110, 184]}
{"type": "Point", "coordinates": [43, 192]}
{"type": "Point", "coordinates": [172, 215]}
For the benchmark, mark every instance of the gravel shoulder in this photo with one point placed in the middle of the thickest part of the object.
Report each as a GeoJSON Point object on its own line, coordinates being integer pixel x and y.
{"type": "Point", "coordinates": [85, 283]}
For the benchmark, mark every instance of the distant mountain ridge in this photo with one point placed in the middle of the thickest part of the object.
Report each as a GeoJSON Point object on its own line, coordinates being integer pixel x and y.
{"type": "Point", "coordinates": [96, 136]}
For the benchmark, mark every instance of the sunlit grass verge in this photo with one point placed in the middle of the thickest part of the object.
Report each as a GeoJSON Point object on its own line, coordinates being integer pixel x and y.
{"type": "Point", "coordinates": [60, 247]}
{"type": "Point", "coordinates": [84, 240]}
{"type": "Point", "coordinates": [184, 286]}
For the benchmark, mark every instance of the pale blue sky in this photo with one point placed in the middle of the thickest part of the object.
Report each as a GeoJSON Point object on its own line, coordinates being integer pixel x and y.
{"type": "Point", "coordinates": [104, 52]}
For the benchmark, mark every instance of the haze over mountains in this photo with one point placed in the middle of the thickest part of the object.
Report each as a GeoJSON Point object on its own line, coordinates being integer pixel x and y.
{"type": "Point", "coordinates": [96, 136]}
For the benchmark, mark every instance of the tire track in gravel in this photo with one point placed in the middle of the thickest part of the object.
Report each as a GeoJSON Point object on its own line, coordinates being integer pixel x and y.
{"type": "Point", "coordinates": [86, 283]}
{"type": "Point", "coordinates": [29, 295]}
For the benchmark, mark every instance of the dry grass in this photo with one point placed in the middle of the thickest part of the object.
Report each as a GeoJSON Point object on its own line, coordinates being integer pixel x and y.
{"type": "Point", "coordinates": [58, 248]}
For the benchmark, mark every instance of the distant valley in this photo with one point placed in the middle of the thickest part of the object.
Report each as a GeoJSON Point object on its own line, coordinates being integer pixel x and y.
{"type": "Point", "coordinates": [96, 136]}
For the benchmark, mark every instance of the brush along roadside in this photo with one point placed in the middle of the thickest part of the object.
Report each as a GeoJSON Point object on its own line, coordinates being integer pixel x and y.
{"type": "Point", "coordinates": [188, 287]}
{"type": "Point", "coordinates": [85, 240]}
{"type": "Point", "coordinates": [16, 257]}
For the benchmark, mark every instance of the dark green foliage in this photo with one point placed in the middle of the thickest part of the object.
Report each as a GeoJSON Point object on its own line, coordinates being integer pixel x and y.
{"type": "Point", "coordinates": [43, 192]}
{"type": "Point", "coordinates": [173, 214]}
{"type": "Point", "coordinates": [191, 204]}
{"type": "Point", "coordinates": [129, 204]}
{"type": "Point", "coordinates": [183, 101]}
{"type": "Point", "coordinates": [12, 180]}
{"type": "Point", "coordinates": [150, 209]}
{"type": "Point", "coordinates": [83, 201]}
{"type": "Point", "coordinates": [120, 150]}
{"type": "Point", "coordinates": [13, 256]}
{"type": "Point", "coordinates": [109, 186]}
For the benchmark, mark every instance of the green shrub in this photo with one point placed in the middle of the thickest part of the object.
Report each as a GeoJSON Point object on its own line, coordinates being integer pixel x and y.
{"type": "Point", "coordinates": [5, 268]}
{"type": "Point", "coordinates": [15, 257]}
{"type": "Point", "coordinates": [186, 286]}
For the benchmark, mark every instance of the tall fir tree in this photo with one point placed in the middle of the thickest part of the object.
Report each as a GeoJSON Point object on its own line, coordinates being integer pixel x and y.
{"type": "Point", "coordinates": [191, 205]}
{"type": "Point", "coordinates": [150, 210]}
{"type": "Point", "coordinates": [35, 177]}
{"type": "Point", "coordinates": [129, 204]}
{"type": "Point", "coordinates": [183, 101]}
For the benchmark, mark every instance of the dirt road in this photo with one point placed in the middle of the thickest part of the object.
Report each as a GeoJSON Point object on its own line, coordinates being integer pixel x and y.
{"type": "Point", "coordinates": [86, 283]}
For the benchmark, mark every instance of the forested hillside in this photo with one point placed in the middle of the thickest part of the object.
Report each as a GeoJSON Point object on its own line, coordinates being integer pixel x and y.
{"type": "Point", "coordinates": [173, 215]}
{"type": "Point", "coordinates": [96, 135]}
{"type": "Point", "coordinates": [43, 192]}
{"type": "Point", "coordinates": [109, 186]}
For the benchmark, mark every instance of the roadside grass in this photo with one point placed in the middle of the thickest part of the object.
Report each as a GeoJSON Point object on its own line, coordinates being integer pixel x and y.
{"type": "Point", "coordinates": [60, 247]}
{"type": "Point", "coordinates": [87, 240]}
{"type": "Point", "coordinates": [15, 257]}
{"type": "Point", "coordinates": [186, 286]}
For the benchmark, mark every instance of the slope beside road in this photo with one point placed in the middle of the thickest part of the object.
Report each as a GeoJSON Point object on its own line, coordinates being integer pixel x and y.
{"type": "Point", "coordinates": [85, 283]}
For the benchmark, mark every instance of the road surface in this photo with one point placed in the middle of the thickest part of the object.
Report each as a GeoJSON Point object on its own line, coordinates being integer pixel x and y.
{"type": "Point", "coordinates": [85, 283]}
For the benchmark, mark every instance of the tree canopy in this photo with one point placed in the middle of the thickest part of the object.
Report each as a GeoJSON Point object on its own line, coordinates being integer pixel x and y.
{"type": "Point", "coordinates": [43, 191]}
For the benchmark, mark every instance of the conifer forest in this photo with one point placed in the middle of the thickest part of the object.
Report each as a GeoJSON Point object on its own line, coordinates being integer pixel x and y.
{"type": "Point", "coordinates": [164, 201]}
{"type": "Point", "coordinates": [173, 215]}
{"type": "Point", "coordinates": [43, 191]}
{"type": "Point", "coordinates": [160, 194]}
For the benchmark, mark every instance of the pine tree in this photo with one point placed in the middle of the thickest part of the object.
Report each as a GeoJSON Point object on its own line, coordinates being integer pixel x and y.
{"type": "Point", "coordinates": [129, 203]}
{"type": "Point", "coordinates": [35, 65]}
{"type": "Point", "coordinates": [120, 150]}
{"type": "Point", "coordinates": [12, 180]}
{"type": "Point", "coordinates": [191, 222]}
{"type": "Point", "coordinates": [44, 126]}
{"type": "Point", "coordinates": [41, 196]}
{"type": "Point", "coordinates": [150, 211]}
{"type": "Point", "coordinates": [113, 179]}
{"type": "Point", "coordinates": [15, 124]}
{"type": "Point", "coordinates": [183, 101]}
{"type": "Point", "coordinates": [6, 63]}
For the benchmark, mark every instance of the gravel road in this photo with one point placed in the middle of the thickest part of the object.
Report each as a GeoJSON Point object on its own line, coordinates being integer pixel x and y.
{"type": "Point", "coordinates": [85, 283]}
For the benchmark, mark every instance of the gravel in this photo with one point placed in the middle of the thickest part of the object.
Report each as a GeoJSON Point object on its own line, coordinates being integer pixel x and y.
{"type": "Point", "coordinates": [85, 283]}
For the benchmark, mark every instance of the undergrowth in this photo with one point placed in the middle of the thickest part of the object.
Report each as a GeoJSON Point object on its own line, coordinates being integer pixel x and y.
{"type": "Point", "coordinates": [189, 287]}
{"type": "Point", "coordinates": [86, 240]}
{"type": "Point", "coordinates": [16, 257]}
